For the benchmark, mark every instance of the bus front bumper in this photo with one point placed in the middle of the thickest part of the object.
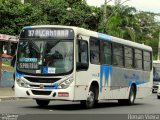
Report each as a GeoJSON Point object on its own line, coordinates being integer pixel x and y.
{"type": "Point", "coordinates": [51, 94]}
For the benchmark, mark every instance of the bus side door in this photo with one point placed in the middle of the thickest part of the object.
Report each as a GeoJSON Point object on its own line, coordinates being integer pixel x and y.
{"type": "Point", "coordinates": [82, 65]}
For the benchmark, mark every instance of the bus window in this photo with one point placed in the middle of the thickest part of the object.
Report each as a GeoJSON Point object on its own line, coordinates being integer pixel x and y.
{"type": "Point", "coordinates": [117, 55]}
{"type": "Point", "coordinates": [128, 57]}
{"type": "Point", "coordinates": [82, 55]}
{"type": "Point", "coordinates": [138, 59]}
{"type": "Point", "coordinates": [94, 51]}
{"type": "Point", "coordinates": [107, 53]}
{"type": "Point", "coordinates": [147, 60]}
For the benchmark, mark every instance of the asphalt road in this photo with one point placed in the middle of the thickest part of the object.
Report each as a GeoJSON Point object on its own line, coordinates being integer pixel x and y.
{"type": "Point", "coordinates": [23, 107]}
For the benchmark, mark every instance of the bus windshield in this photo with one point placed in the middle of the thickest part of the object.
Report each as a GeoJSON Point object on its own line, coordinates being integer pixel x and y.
{"type": "Point", "coordinates": [156, 73]}
{"type": "Point", "coordinates": [38, 56]}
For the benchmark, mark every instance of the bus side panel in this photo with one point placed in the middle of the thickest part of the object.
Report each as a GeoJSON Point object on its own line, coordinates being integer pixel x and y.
{"type": "Point", "coordinates": [118, 82]}
{"type": "Point", "coordinates": [144, 90]}
{"type": "Point", "coordinates": [84, 80]}
{"type": "Point", "coordinates": [114, 82]}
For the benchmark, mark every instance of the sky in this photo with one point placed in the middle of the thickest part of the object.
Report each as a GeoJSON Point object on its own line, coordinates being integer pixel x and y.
{"type": "Point", "coordinates": [142, 5]}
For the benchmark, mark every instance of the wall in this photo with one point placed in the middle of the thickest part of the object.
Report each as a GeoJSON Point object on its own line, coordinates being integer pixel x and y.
{"type": "Point", "coordinates": [7, 79]}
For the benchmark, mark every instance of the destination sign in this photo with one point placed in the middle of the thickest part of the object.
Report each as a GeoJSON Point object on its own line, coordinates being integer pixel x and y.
{"type": "Point", "coordinates": [28, 65]}
{"type": "Point", "coordinates": [47, 33]}
{"type": "Point", "coordinates": [28, 59]}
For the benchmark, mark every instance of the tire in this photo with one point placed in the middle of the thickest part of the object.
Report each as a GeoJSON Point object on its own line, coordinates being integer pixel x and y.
{"type": "Point", "coordinates": [91, 100]}
{"type": "Point", "coordinates": [131, 98]}
{"type": "Point", "coordinates": [158, 97]}
{"type": "Point", "coordinates": [42, 103]}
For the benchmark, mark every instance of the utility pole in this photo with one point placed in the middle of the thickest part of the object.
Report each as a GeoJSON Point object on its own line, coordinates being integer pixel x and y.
{"type": "Point", "coordinates": [1, 51]}
{"type": "Point", "coordinates": [158, 48]}
{"type": "Point", "coordinates": [104, 15]}
{"type": "Point", "coordinates": [22, 1]}
{"type": "Point", "coordinates": [84, 1]}
{"type": "Point", "coordinates": [104, 11]}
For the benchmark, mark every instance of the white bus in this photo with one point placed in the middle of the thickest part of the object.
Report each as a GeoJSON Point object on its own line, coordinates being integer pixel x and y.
{"type": "Point", "coordinates": [71, 63]}
{"type": "Point", "coordinates": [156, 75]}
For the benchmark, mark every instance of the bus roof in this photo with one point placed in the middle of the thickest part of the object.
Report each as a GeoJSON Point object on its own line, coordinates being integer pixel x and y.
{"type": "Point", "coordinates": [85, 32]}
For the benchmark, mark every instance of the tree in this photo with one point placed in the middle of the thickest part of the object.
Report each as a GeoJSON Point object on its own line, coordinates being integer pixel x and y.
{"type": "Point", "coordinates": [122, 21]}
{"type": "Point", "coordinates": [16, 15]}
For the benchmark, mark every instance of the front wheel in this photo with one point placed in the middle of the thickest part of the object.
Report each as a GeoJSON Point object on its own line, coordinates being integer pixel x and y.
{"type": "Point", "coordinates": [90, 102]}
{"type": "Point", "coordinates": [42, 103]}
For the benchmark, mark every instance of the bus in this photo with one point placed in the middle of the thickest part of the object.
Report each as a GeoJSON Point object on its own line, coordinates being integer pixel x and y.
{"type": "Point", "coordinates": [70, 63]}
{"type": "Point", "coordinates": [156, 75]}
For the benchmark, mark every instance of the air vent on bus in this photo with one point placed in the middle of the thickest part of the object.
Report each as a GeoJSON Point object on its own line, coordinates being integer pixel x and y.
{"type": "Point", "coordinates": [42, 80]}
{"type": "Point", "coordinates": [36, 92]}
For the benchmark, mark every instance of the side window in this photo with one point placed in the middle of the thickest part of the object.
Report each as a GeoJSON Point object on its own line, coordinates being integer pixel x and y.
{"type": "Point", "coordinates": [82, 52]}
{"type": "Point", "coordinates": [138, 58]}
{"type": "Point", "coordinates": [107, 53]}
{"type": "Point", "coordinates": [128, 57]}
{"type": "Point", "coordinates": [147, 60]}
{"type": "Point", "coordinates": [94, 51]}
{"type": "Point", "coordinates": [117, 55]}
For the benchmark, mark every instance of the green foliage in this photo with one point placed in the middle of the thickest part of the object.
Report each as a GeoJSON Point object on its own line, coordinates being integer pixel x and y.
{"type": "Point", "coordinates": [16, 15]}
{"type": "Point", "coordinates": [122, 21]}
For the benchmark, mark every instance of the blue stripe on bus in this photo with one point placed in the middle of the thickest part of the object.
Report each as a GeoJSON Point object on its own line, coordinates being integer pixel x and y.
{"type": "Point", "coordinates": [55, 86]}
{"type": "Point", "coordinates": [27, 27]}
{"type": "Point", "coordinates": [133, 78]}
{"type": "Point", "coordinates": [18, 75]}
{"type": "Point", "coordinates": [137, 82]}
{"type": "Point", "coordinates": [105, 72]}
{"type": "Point", "coordinates": [104, 37]}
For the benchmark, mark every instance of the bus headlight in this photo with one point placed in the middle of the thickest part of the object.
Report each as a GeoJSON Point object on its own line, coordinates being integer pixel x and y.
{"type": "Point", "coordinates": [22, 83]}
{"type": "Point", "coordinates": [65, 83]}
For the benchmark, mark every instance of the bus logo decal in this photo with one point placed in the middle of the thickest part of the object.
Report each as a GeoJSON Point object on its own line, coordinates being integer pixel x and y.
{"type": "Point", "coordinates": [104, 37]}
{"type": "Point", "coordinates": [41, 86]}
{"type": "Point", "coordinates": [105, 75]}
{"type": "Point", "coordinates": [134, 78]}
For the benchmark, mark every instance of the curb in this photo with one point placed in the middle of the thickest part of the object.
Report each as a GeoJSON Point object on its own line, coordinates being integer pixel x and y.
{"type": "Point", "coordinates": [4, 98]}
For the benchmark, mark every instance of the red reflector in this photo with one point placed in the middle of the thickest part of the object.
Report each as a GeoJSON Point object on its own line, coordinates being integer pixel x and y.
{"type": "Point", "coordinates": [63, 94]}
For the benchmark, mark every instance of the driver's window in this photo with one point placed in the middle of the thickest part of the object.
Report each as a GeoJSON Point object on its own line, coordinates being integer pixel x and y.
{"type": "Point", "coordinates": [83, 51]}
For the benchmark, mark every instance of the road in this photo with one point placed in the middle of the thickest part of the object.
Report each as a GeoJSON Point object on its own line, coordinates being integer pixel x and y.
{"type": "Point", "coordinates": [149, 105]}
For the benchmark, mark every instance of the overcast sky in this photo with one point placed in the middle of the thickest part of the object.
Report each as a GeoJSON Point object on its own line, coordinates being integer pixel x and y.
{"type": "Point", "coordinates": [142, 5]}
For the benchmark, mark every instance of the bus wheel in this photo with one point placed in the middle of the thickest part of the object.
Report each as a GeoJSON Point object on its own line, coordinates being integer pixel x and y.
{"type": "Point", "coordinates": [90, 102]}
{"type": "Point", "coordinates": [42, 103]}
{"type": "Point", "coordinates": [132, 96]}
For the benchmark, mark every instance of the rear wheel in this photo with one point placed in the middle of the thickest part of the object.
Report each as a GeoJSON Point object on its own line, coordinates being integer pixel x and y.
{"type": "Point", "coordinates": [132, 95]}
{"type": "Point", "coordinates": [42, 103]}
{"type": "Point", "coordinates": [131, 98]}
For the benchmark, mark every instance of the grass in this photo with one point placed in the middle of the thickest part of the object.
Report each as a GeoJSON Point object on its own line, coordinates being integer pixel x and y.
{"type": "Point", "coordinates": [7, 67]}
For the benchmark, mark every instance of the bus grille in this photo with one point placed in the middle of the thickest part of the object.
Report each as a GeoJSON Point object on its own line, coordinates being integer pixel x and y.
{"type": "Point", "coordinates": [35, 92]}
{"type": "Point", "coordinates": [42, 80]}
{"type": "Point", "coordinates": [156, 87]}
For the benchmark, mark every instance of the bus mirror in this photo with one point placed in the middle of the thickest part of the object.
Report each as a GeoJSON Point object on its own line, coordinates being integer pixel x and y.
{"type": "Point", "coordinates": [81, 66]}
